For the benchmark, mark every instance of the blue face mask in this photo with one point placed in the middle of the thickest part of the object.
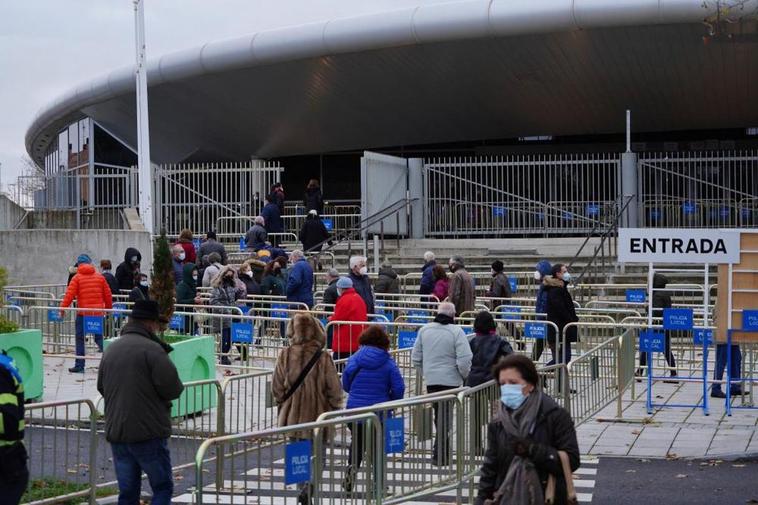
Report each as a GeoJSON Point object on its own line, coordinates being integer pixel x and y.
{"type": "Point", "coordinates": [512, 395]}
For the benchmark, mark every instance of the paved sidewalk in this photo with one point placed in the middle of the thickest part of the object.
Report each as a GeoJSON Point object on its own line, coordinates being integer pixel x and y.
{"type": "Point", "coordinates": [671, 432]}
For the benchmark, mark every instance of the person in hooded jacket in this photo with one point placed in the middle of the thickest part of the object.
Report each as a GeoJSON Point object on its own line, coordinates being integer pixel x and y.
{"type": "Point", "coordinates": [91, 291]}
{"type": "Point", "coordinates": [126, 272]}
{"type": "Point", "coordinates": [661, 300]}
{"type": "Point", "coordinates": [388, 281]}
{"type": "Point", "coordinates": [186, 293]}
{"type": "Point", "coordinates": [212, 270]}
{"type": "Point", "coordinates": [256, 266]}
{"type": "Point", "coordinates": [247, 277]}
{"type": "Point", "coordinates": [541, 272]}
{"type": "Point", "coordinates": [524, 439]}
{"type": "Point", "coordinates": [560, 311]}
{"type": "Point", "coordinates": [487, 348]}
{"type": "Point", "coordinates": [313, 233]}
{"type": "Point", "coordinates": [313, 199]}
{"type": "Point", "coordinates": [370, 377]}
{"type": "Point", "coordinates": [500, 286]}
{"type": "Point", "coordinates": [318, 392]}
{"type": "Point", "coordinates": [142, 290]}
{"type": "Point", "coordinates": [273, 282]}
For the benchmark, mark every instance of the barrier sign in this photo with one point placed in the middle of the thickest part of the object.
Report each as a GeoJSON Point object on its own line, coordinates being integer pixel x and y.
{"type": "Point", "coordinates": [394, 435]}
{"type": "Point", "coordinates": [702, 337]}
{"type": "Point", "coordinates": [279, 311]}
{"type": "Point", "coordinates": [593, 210]}
{"type": "Point", "coordinates": [677, 319]}
{"type": "Point", "coordinates": [196, 243]}
{"type": "Point", "coordinates": [379, 309]}
{"type": "Point", "coordinates": [535, 330]}
{"type": "Point", "coordinates": [750, 320]}
{"type": "Point", "coordinates": [406, 338]}
{"type": "Point", "coordinates": [655, 214]}
{"type": "Point", "coordinates": [54, 316]}
{"type": "Point", "coordinates": [511, 317]}
{"type": "Point", "coordinates": [245, 308]}
{"type": "Point", "coordinates": [689, 208]}
{"type": "Point", "coordinates": [498, 211]}
{"type": "Point", "coordinates": [678, 245]}
{"type": "Point", "coordinates": [176, 322]}
{"type": "Point", "coordinates": [119, 310]}
{"type": "Point", "coordinates": [242, 243]}
{"type": "Point", "coordinates": [297, 462]}
{"type": "Point", "coordinates": [635, 295]}
{"type": "Point", "coordinates": [242, 333]}
{"type": "Point", "coordinates": [328, 224]}
{"type": "Point", "coordinates": [417, 317]}
{"type": "Point", "coordinates": [93, 325]}
{"type": "Point", "coordinates": [513, 282]}
{"type": "Point", "coordinates": [652, 341]}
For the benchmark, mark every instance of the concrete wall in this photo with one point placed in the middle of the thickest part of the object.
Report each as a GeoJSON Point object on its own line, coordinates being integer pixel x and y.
{"type": "Point", "coordinates": [10, 213]}
{"type": "Point", "coordinates": [43, 256]}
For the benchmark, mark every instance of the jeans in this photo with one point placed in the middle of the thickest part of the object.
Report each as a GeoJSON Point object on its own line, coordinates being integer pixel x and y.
{"type": "Point", "coordinates": [14, 474]}
{"type": "Point", "coordinates": [79, 326]}
{"type": "Point", "coordinates": [721, 356]}
{"type": "Point", "coordinates": [443, 428]}
{"type": "Point", "coordinates": [151, 457]}
{"type": "Point", "coordinates": [357, 433]}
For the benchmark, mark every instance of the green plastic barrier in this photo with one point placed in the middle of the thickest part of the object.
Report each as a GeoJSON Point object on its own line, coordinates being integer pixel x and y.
{"type": "Point", "coordinates": [25, 347]}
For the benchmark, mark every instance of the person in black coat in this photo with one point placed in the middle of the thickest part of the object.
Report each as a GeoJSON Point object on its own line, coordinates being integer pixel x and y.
{"type": "Point", "coordinates": [105, 267]}
{"type": "Point", "coordinates": [661, 300]}
{"type": "Point", "coordinates": [560, 311]}
{"type": "Point", "coordinates": [142, 290]}
{"type": "Point", "coordinates": [544, 428]}
{"type": "Point", "coordinates": [330, 293]}
{"type": "Point", "coordinates": [313, 199]}
{"type": "Point", "coordinates": [126, 272]}
{"type": "Point", "coordinates": [313, 233]}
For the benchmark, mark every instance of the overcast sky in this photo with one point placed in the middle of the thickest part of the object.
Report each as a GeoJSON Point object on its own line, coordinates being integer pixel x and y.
{"type": "Point", "coordinates": [49, 46]}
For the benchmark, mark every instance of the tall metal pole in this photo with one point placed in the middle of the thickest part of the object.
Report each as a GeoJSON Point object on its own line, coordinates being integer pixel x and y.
{"type": "Point", "coordinates": [143, 129]}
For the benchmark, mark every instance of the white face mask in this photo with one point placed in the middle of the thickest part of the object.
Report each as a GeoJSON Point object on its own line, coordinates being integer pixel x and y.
{"type": "Point", "coordinates": [144, 284]}
{"type": "Point", "coordinates": [249, 274]}
{"type": "Point", "coordinates": [182, 256]}
{"type": "Point", "coordinates": [566, 277]}
{"type": "Point", "coordinates": [363, 270]}
{"type": "Point", "coordinates": [537, 275]}
{"type": "Point", "coordinates": [194, 278]}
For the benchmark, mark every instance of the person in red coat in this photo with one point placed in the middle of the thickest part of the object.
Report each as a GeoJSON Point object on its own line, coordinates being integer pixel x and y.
{"type": "Point", "coordinates": [185, 240]}
{"type": "Point", "coordinates": [350, 307]}
{"type": "Point", "coordinates": [91, 291]}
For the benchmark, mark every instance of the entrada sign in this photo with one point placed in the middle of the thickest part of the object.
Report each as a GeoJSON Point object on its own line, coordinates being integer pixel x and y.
{"type": "Point", "coordinates": [675, 245]}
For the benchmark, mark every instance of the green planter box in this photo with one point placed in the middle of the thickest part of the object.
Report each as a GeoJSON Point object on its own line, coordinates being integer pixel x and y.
{"type": "Point", "coordinates": [25, 347]}
{"type": "Point", "coordinates": [195, 360]}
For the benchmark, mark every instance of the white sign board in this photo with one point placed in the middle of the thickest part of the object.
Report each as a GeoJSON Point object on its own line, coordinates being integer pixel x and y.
{"type": "Point", "coordinates": [678, 245]}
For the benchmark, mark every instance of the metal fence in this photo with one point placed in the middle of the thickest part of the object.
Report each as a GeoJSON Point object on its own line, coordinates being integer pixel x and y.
{"type": "Point", "coordinates": [699, 189]}
{"type": "Point", "coordinates": [533, 194]}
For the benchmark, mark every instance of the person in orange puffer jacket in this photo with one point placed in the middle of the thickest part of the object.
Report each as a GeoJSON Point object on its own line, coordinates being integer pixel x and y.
{"type": "Point", "coordinates": [91, 291]}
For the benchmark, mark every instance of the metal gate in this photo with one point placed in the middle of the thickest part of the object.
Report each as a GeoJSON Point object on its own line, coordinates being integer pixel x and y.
{"type": "Point", "coordinates": [699, 189]}
{"type": "Point", "coordinates": [516, 195]}
{"type": "Point", "coordinates": [384, 182]}
{"type": "Point", "coordinates": [195, 196]}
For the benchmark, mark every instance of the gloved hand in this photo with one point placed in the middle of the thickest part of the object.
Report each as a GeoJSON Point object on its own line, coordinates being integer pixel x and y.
{"type": "Point", "coordinates": [521, 446]}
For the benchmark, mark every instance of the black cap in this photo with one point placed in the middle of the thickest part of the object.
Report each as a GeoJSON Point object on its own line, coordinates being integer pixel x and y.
{"type": "Point", "coordinates": [497, 266]}
{"type": "Point", "coordinates": [146, 309]}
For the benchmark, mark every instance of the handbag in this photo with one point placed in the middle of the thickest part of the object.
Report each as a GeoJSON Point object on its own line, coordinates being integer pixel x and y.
{"type": "Point", "coordinates": [568, 476]}
{"type": "Point", "coordinates": [301, 378]}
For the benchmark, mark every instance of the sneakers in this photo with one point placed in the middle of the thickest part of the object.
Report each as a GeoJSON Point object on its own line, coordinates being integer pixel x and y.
{"type": "Point", "coordinates": [349, 480]}
{"type": "Point", "coordinates": [76, 369]}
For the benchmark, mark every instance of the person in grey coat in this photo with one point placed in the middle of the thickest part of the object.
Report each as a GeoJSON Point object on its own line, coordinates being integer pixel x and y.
{"type": "Point", "coordinates": [212, 245]}
{"type": "Point", "coordinates": [256, 236]}
{"type": "Point", "coordinates": [138, 382]}
{"type": "Point", "coordinates": [443, 354]}
{"type": "Point", "coordinates": [388, 281]}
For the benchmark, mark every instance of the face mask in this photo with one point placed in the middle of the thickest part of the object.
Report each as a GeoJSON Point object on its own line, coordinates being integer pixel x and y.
{"type": "Point", "coordinates": [182, 256]}
{"type": "Point", "coordinates": [363, 270]}
{"type": "Point", "coordinates": [567, 277]}
{"type": "Point", "coordinates": [249, 274]}
{"type": "Point", "coordinates": [512, 395]}
{"type": "Point", "coordinates": [537, 275]}
{"type": "Point", "coordinates": [194, 278]}
{"type": "Point", "coordinates": [144, 284]}
{"type": "Point", "coordinates": [339, 292]}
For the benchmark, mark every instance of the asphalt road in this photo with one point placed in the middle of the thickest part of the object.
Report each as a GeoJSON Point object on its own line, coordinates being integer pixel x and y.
{"type": "Point", "coordinates": [632, 481]}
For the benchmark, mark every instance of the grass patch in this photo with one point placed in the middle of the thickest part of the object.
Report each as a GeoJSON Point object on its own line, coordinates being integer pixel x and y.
{"type": "Point", "coordinates": [42, 489]}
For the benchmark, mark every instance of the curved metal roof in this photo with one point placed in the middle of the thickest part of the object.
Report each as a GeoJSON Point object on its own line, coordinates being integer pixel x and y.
{"type": "Point", "coordinates": [434, 73]}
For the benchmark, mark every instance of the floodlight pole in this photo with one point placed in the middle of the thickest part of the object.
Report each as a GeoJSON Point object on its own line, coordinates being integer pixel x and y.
{"type": "Point", "coordinates": [143, 128]}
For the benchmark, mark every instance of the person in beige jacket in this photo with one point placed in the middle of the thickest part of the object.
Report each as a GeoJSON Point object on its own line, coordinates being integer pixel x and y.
{"type": "Point", "coordinates": [318, 392]}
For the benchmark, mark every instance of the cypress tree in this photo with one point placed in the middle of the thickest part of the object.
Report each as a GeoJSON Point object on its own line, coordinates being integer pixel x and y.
{"type": "Point", "coordinates": [162, 288]}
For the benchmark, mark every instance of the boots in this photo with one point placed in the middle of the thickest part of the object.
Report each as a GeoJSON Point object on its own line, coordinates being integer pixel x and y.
{"type": "Point", "coordinates": [349, 480]}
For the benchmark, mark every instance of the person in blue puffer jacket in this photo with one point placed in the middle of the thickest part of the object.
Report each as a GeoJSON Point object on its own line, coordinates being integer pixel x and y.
{"type": "Point", "coordinates": [370, 377]}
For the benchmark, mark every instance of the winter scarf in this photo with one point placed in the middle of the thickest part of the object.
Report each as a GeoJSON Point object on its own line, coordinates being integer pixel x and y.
{"type": "Point", "coordinates": [444, 319]}
{"type": "Point", "coordinates": [522, 482]}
